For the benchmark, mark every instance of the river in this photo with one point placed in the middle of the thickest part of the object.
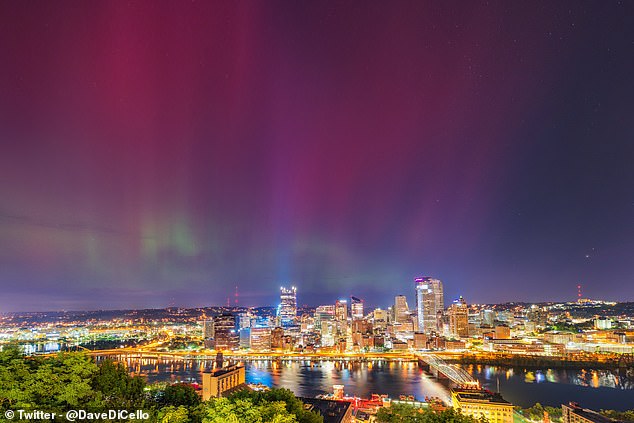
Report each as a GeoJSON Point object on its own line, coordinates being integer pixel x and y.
{"type": "Point", "coordinates": [594, 389]}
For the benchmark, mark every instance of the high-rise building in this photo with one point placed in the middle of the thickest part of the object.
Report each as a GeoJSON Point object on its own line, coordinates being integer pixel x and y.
{"type": "Point", "coordinates": [380, 318]}
{"type": "Point", "coordinates": [328, 332]}
{"type": "Point", "coordinates": [277, 338]}
{"type": "Point", "coordinates": [341, 310]}
{"type": "Point", "coordinates": [401, 309]}
{"type": "Point", "coordinates": [488, 317]}
{"type": "Point", "coordinates": [225, 334]}
{"type": "Point", "coordinates": [324, 312]}
{"type": "Point", "coordinates": [502, 332]}
{"type": "Point", "coordinates": [356, 308]}
{"type": "Point", "coordinates": [287, 311]}
{"type": "Point", "coordinates": [208, 329]}
{"type": "Point", "coordinates": [260, 338]}
{"type": "Point", "coordinates": [429, 301]}
{"type": "Point", "coordinates": [459, 318]}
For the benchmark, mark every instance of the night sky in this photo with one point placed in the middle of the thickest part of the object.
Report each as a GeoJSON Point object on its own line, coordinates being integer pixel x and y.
{"type": "Point", "coordinates": [160, 153]}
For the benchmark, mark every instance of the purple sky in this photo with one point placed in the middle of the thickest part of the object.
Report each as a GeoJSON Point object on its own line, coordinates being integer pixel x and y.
{"type": "Point", "coordinates": [160, 153]}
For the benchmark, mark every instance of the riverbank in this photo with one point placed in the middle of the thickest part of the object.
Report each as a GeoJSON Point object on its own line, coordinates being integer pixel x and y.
{"type": "Point", "coordinates": [536, 362]}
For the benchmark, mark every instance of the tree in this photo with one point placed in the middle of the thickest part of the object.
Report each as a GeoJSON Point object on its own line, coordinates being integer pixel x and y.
{"type": "Point", "coordinates": [404, 413]}
{"type": "Point", "coordinates": [61, 382]}
{"type": "Point", "coordinates": [236, 410]}
{"type": "Point", "coordinates": [116, 388]}
{"type": "Point", "coordinates": [15, 374]}
{"type": "Point", "coordinates": [292, 404]}
{"type": "Point", "coordinates": [619, 415]}
{"type": "Point", "coordinates": [180, 394]}
{"type": "Point", "coordinates": [172, 414]}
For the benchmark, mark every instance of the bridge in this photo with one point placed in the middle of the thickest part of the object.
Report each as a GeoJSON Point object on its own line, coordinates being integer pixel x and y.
{"type": "Point", "coordinates": [454, 373]}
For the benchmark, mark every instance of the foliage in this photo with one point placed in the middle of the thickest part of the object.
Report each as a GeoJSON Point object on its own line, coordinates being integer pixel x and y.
{"type": "Point", "coordinates": [58, 383]}
{"type": "Point", "coordinates": [404, 413]}
{"type": "Point", "coordinates": [293, 405]}
{"type": "Point", "coordinates": [64, 382]}
{"type": "Point", "coordinates": [619, 415]}
{"type": "Point", "coordinates": [180, 394]}
{"type": "Point", "coordinates": [116, 388]}
{"type": "Point", "coordinates": [536, 412]}
{"type": "Point", "coordinates": [172, 414]}
{"type": "Point", "coordinates": [74, 381]}
{"type": "Point", "coordinates": [238, 410]}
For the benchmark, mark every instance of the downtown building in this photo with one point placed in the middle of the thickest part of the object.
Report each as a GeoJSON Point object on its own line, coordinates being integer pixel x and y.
{"type": "Point", "coordinates": [226, 336]}
{"type": "Point", "coordinates": [429, 303]}
{"type": "Point", "coordinates": [287, 310]}
{"type": "Point", "coordinates": [341, 310]}
{"type": "Point", "coordinates": [459, 318]}
{"type": "Point", "coordinates": [401, 309]}
{"type": "Point", "coordinates": [356, 308]}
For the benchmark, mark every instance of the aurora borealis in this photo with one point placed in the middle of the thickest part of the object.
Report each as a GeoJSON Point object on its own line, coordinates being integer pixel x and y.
{"type": "Point", "coordinates": [161, 153]}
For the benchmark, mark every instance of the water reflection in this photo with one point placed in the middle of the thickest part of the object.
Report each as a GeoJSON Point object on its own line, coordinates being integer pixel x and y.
{"type": "Point", "coordinates": [593, 388]}
{"type": "Point", "coordinates": [583, 377]}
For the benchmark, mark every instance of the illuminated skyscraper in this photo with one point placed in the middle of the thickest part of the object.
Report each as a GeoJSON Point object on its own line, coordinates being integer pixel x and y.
{"type": "Point", "coordinates": [459, 318]}
{"type": "Point", "coordinates": [287, 310]}
{"type": "Point", "coordinates": [401, 309]}
{"type": "Point", "coordinates": [341, 310]}
{"type": "Point", "coordinates": [429, 301]}
{"type": "Point", "coordinates": [225, 332]}
{"type": "Point", "coordinates": [356, 308]}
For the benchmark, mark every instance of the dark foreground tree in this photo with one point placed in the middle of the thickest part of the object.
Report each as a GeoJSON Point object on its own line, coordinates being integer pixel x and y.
{"type": "Point", "coordinates": [403, 413]}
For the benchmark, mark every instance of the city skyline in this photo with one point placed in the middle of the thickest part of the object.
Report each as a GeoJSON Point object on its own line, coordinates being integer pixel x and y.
{"type": "Point", "coordinates": [164, 155]}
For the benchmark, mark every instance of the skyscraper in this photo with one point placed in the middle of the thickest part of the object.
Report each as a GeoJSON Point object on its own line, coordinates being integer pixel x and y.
{"type": "Point", "coordinates": [341, 310]}
{"type": "Point", "coordinates": [401, 309]}
{"type": "Point", "coordinates": [226, 336]}
{"type": "Point", "coordinates": [208, 329]}
{"type": "Point", "coordinates": [429, 301]}
{"type": "Point", "coordinates": [287, 311]}
{"type": "Point", "coordinates": [459, 318]}
{"type": "Point", "coordinates": [356, 308]}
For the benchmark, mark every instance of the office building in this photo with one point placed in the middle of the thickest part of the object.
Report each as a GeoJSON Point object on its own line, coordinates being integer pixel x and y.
{"type": "Point", "coordinates": [223, 379]}
{"type": "Point", "coordinates": [260, 338]}
{"type": "Point", "coordinates": [356, 308]}
{"type": "Point", "coordinates": [277, 338]}
{"type": "Point", "coordinates": [429, 302]}
{"type": "Point", "coordinates": [323, 313]}
{"type": "Point", "coordinates": [341, 310]}
{"type": "Point", "coordinates": [602, 323]}
{"type": "Point", "coordinates": [225, 333]}
{"type": "Point", "coordinates": [245, 338]}
{"type": "Point", "coordinates": [574, 413]}
{"type": "Point", "coordinates": [459, 318]}
{"type": "Point", "coordinates": [479, 403]}
{"type": "Point", "coordinates": [502, 332]}
{"type": "Point", "coordinates": [487, 318]}
{"type": "Point", "coordinates": [287, 311]}
{"type": "Point", "coordinates": [208, 329]}
{"type": "Point", "coordinates": [401, 309]}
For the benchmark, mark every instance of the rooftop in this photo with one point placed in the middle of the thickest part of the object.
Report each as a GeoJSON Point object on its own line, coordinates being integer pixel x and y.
{"type": "Point", "coordinates": [589, 414]}
{"type": "Point", "coordinates": [479, 395]}
{"type": "Point", "coordinates": [332, 411]}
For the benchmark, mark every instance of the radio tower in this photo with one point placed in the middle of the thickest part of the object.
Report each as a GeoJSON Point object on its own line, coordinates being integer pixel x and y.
{"type": "Point", "coordinates": [579, 293]}
{"type": "Point", "coordinates": [236, 296]}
